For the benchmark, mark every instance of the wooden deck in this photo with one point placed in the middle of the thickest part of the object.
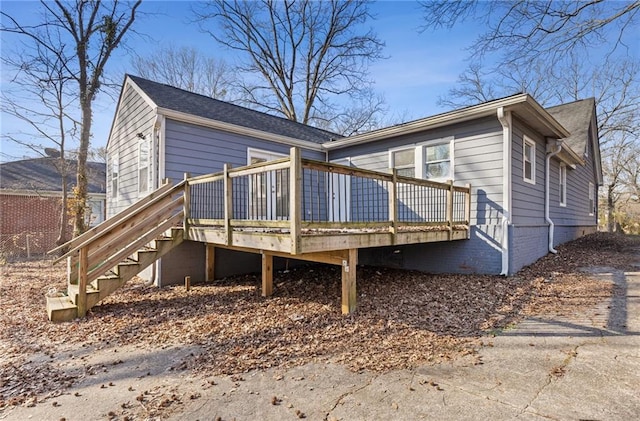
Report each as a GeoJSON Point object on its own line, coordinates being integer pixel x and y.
{"type": "Point", "coordinates": [299, 206]}
{"type": "Point", "coordinates": [292, 207]}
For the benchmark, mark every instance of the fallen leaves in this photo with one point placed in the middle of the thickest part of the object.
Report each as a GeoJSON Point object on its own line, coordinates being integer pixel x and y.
{"type": "Point", "coordinates": [404, 318]}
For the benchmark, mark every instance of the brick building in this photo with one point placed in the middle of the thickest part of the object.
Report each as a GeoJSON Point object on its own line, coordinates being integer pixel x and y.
{"type": "Point", "coordinates": [30, 200]}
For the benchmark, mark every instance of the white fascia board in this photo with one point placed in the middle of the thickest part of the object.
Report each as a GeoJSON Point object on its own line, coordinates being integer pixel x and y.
{"type": "Point", "coordinates": [233, 128]}
{"type": "Point", "coordinates": [469, 113]}
{"type": "Point", "coordinates": [522, 104]}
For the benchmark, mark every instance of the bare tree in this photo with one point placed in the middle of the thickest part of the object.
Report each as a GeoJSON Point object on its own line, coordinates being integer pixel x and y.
{"type": "Point", "coordinates": [82, 35]}
{"type": "Point", "coordinates": [42, 78]}
{"type": "Point", "coordinates": [300, 56]}
{"type": "Point", "coordinates": [558, 52]}
{"type": "Point", "coordinates": [188, 69]}
{"type": "Point", "coordinates": [525, 30]}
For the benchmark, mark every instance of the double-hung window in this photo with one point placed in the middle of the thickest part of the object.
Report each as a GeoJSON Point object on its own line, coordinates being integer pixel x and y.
{"type": "Point", "coordinates": [431, 160]}
{"type": "Point", "coordinates": [144, 160]}
{"type": "Point", "coordinates": [563, 184]}
{"type": "Point", "coordinates": [115, 169]}
{"type": "Point", "coordinates": [528, 160]}
{"type": "Point", "coordinates": [404, 161]}
{"type": "Point", "coordinates": [437, 162]}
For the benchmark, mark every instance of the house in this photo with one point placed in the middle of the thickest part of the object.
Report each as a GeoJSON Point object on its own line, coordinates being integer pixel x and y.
{"type": "Point", "coordinates": [30, 201]}
{"type": "Point", "coordinates": [483, 189]}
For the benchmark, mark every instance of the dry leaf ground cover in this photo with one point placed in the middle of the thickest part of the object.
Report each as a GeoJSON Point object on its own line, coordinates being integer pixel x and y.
{"type": "Point", "coordinates": [404, 318]}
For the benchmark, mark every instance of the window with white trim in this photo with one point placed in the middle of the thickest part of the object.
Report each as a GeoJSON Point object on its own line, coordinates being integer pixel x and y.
{"type": "Point", "coordinates": [592, 199]}
{"type": "Point", "coordinates": [437, 162]}
{"type": "Point", "coordinates": [562, 176]}
{"type": "Point", "coordinates": [115, 169]}
{"type": "Point", "coordinates": [404, 161]}
{"type": "Point", "coordinates": [528, 160]}
{"type": "Point", "coordinates": [431, 160]}
{"type": "Point", "coordinates": [144, 161]}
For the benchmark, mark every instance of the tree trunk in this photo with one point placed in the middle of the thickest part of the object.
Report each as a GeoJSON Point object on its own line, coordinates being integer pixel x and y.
{"type": "Point", "coordinates": [64, 215]}
{"type": "Point", "coordinates": [610, 208]}
{"type": "Point", "coordinates": [79, 225]}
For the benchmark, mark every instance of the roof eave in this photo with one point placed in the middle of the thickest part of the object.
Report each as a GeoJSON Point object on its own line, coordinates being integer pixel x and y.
{"type": "Point", "coordinates": [520, 104]}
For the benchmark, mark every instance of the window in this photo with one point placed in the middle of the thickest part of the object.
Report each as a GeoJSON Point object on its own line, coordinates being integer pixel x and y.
{"type": "Point", "coordinates": [115, 169]}
{"type": "Point", "coordinates": [592, 199]}
{"type": "Point", "coordinates": [144, 159]}
{"type": "Point", "coordinates": [404, 161]}
{"type": "Point", "coordinates": [437, 162]}
{"type": "Point", "coordinates": [529, 160]}
{"type": "Point", "coordinates": [563, 185]}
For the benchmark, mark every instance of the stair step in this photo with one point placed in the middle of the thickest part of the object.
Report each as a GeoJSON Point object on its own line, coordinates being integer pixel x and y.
{"type": "Point", "coordinates": [61, 309]}
{"type": "Point", "coordinates": [64, 308]}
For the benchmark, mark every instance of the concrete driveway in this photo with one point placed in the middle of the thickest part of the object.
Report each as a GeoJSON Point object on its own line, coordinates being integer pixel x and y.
{"type": "Point", "coordinates": [579, 367]}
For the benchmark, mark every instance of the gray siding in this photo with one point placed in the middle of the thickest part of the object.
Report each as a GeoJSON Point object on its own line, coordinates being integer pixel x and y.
{"type": "Point", "coordinates": [530, 231]}
{"type": "Point", "coordinates": [477, 161]}
{"type": "Point", "coordinates": [200, 150]}
{"type": "Point", "coordinates": [134, 116]}
{"type": "Point", "coordinates": [528, 199]}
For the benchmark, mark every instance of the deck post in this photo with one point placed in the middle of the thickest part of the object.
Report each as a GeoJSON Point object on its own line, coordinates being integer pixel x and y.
{"type": "Point", "coordinates": [83, 269]}
{"type": "Point", "coordinates": [228, 205]}
{"type": "Point", "coordinates": [393, 205]}
{"type": "Point", "coordinates": [295, 199]}
{"type": "Point", "coordinates": [267, 274]}
{"type": "Point", "coordinates": [467, 207]}
{"type": "Point", "coordinates": [210, 258]}
{"type": "Point", "coordinates": [187, 204]}
{"type": "Point", "coordinates": [450, 209]}
{"type": "Point", "coordinates": [349, 297]}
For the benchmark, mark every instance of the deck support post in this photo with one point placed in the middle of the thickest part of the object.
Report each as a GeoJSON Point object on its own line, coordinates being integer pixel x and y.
{"type": "Point", "coordinates": [228, 205]}
{"type": "Point", "coordinates": [295, 199]}
{"type": "Point", "coordinates": [450, 209]}
{"type": "Point", "coordinates": [210, 258]}
{"type": "Point", "coordinates": [467, 210]}
{"type": "Point", "coordinates": [349, 297]}
{"type": "Point", "coordinates": [393, 205]}
{"type": "Point", "coordinates": [267, 274]}
{"type": "Point", "coordinates": [83, 269]}
{"type": "Point", "coordinates": [187, 203]}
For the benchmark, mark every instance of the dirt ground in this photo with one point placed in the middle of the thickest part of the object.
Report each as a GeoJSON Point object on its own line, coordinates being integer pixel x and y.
{"type": "Point", "coordinates": [225, 328]}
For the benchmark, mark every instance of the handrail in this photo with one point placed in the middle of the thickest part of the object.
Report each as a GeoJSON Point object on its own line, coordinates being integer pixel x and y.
{"type": "Point", "coordinates": [103, 228]}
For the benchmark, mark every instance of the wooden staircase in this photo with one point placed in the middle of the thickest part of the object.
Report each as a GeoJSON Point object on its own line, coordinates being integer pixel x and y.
{"type": "Point", "coordinates": [104, 258]}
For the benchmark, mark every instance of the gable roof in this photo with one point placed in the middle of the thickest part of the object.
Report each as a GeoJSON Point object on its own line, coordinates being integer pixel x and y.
{"type": "Point", "coordinates": [175, 99]}
{"type": "Point", "coordinates": [522, 105]}
{"type": "Point", "coordinates": [40, 174]}
{"type": "Point", "coordinates": [576, 117]}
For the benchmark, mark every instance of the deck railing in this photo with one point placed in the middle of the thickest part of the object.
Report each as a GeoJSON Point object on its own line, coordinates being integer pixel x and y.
{"type": "Point", "coordinates": [295, 195]}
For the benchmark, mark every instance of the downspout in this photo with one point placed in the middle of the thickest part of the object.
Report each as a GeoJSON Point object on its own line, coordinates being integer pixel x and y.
{"type": "Point", "coordinates": [553, 148]}
{"type": "Point", "coordinates": [505, 120]}
{"type": "Point", "coordinates": [158, 174]}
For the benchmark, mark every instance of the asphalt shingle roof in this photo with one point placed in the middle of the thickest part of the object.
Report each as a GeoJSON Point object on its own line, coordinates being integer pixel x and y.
{"type": "Point", "coordinates": [40, 174]}
{"type": "Point", "coordinates": [575, 117]}
{"type": "Point", "coordinates": [176, 99]}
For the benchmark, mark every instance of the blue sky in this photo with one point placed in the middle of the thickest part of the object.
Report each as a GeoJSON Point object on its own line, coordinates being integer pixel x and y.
{"type": "Point", "coordinates": [420, 66]}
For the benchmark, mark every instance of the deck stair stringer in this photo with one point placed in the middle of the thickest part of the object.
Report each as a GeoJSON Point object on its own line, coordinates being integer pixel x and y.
{"type": "Point", "coordinates": [65, 308]}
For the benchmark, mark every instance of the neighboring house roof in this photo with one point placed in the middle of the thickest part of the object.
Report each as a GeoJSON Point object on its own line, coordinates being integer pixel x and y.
{"type": "Point", "coordinates": [171, 98]}
{"type": "Point", "coordinates": [575, 117]}
{"type": "Point", "coordinates": [40, 174]}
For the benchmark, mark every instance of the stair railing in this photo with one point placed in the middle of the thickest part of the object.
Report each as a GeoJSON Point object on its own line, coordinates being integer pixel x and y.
{"type": "Point", "coordinates": [101, 248]}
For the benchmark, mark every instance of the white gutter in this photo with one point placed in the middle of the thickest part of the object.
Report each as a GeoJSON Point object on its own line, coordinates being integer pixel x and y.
{"type": "Point", "coordinates": [504, 117]}
{"type": "Point", "coordinates": [550, 153]}
{"type": "Point", "coordinates": [158, 175]}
